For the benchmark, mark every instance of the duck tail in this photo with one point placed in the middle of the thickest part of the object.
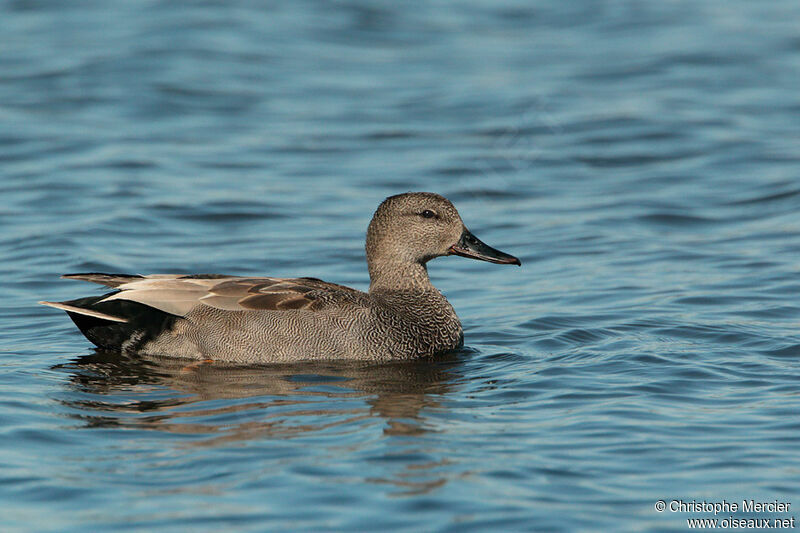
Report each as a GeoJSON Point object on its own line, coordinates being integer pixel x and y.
{"type": "Point", "coordinates": [73, 309]}
{"type": "Point", "coordinates": [115, 325]}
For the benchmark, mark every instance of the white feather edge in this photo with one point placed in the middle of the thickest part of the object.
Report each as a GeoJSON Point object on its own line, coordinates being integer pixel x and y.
{"type": "Point", "coordinates": [81, 311]}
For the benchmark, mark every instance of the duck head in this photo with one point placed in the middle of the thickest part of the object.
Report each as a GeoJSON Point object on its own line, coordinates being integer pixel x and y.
{"type": "Point", "coordinates": [416, 227]}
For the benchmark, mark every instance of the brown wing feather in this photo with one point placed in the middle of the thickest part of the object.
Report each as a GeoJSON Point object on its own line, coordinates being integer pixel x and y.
{"type": "Point", "coordinates": [276, 301]}
{"type": "Point", "coordinates": [241, 286]}
{"type": "Point", "coordinates": [109, 280]}
{"type": "Point", "coordinates": [179, 294]}
{"type": "Point", "coordinates": [272, 294]}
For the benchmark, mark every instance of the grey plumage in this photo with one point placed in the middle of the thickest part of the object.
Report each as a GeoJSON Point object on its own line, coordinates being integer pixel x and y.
{"type": "Point", "coordinates": [262, 319]}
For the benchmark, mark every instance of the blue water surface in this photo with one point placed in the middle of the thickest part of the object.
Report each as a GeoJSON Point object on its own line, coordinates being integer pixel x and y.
{"type": "Point", "coordinates": [641, 158]}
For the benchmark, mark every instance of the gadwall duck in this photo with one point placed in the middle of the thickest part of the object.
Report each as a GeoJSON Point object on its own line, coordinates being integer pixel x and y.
{"type": "Point", "coordinates": [267, 320]}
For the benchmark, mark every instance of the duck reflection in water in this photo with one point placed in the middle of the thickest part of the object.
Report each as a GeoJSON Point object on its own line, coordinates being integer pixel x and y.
{"type": "Point", "coordinates": [285, 400]}
{"type": "Point", "coordinates": [223, 406]}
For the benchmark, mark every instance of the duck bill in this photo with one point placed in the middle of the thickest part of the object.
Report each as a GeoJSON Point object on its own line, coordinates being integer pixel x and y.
{"type": "Point", "coordinates": [471, 246]}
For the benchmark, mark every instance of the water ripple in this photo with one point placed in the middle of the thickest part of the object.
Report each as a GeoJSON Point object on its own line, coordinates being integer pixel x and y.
{"type": "Point", "coordinates": [647, 348]}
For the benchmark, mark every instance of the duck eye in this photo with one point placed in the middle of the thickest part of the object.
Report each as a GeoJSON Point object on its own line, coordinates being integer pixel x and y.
{"type": "Point", "coordinates": [428, 213]}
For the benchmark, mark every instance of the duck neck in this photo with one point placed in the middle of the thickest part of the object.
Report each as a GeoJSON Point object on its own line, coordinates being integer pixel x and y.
{"type": "Point", "coordinates": [399, 276]}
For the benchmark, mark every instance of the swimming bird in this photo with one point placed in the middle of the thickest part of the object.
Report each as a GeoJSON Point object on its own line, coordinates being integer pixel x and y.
{"type": "Point", "coordinates": [268, 320]}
